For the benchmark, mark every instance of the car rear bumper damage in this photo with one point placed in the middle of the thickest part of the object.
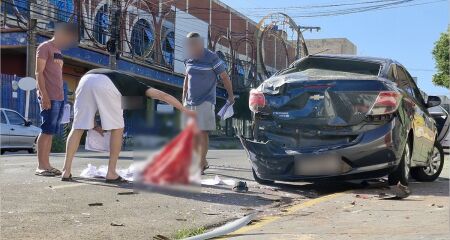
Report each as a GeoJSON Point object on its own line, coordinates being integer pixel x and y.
{"type": "Point", "coordinates": [375, 153]}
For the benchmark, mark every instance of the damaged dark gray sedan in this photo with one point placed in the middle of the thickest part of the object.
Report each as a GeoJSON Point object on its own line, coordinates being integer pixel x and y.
{"type": "Point", "coordinates": [342, 117]}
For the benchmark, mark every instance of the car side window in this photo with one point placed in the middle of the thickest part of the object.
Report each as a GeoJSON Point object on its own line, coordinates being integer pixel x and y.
{"type": "Point", "coordinates": [415, 89]}
{"type": "Point", "coordinates": [3, 118]}
{"type": "Point", "coordinates": [15, 118]}
{"type": "Point", "coordinates": [403, 82]}
{"type": "Point", "coordinates": [391, 75]}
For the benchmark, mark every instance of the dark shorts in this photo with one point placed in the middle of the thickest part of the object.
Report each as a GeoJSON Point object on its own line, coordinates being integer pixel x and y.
{"type": "Point", "coordinates": [51, 118]}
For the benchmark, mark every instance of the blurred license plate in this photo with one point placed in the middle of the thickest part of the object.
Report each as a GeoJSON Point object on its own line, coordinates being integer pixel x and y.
{"type": "Point", "coordinates": [318, 165]}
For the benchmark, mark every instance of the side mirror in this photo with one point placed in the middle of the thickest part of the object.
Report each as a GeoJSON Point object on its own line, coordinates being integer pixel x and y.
{"type": "Point", "coordinates": [433, 101]}
{"type": "Point", "coordinates": [28, 123]}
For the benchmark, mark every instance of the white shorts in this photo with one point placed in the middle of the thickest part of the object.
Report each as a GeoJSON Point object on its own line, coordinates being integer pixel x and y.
{"type": "Point", "coordinates": [96, 92]}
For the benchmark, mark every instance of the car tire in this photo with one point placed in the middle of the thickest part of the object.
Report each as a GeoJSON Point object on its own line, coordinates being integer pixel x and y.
{"type": "Point", "coordinates": [3, 151]}
{"type": "Point", "coordinates": [34, 148]}
{"type": "Point", "coordinates": [260, 180]}
{"type": "Point", "coordinates": [433, 170]}
{"type": "Point", "coordinates": [402, 172]}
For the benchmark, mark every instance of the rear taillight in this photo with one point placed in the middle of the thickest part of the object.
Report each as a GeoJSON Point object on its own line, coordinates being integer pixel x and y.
{"type": "Point", "coordinates": [256, 100]}
{"type": "Point", "coordinates": [387, 102]}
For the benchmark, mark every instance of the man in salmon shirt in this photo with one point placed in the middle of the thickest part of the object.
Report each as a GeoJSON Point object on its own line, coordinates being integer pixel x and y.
{"type": "Point", "coordinates": [49, 75]}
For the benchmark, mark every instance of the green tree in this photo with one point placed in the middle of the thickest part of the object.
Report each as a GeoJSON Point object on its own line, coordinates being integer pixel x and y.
{"type": "Point", "coordinates": [441, 55]}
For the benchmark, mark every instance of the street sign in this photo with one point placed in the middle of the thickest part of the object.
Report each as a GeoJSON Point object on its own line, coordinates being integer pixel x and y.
{"type": "Point", "coordinates": [27, 84]}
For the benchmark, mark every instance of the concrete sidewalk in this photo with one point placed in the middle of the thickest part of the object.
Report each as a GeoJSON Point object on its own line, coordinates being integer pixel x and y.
{"type": "Point", "coordinates": [362, 214]}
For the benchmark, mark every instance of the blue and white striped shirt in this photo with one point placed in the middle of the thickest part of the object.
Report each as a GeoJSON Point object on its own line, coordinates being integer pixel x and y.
{"type": "Point", "coordinates": [202, 78]}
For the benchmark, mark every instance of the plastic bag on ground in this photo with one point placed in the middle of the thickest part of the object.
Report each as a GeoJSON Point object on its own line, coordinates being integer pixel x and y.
{"type": "Point", "coordinates": [93, 172]}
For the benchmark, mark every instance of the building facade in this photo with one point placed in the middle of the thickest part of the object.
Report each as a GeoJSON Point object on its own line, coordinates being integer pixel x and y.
{"type": "Point", "coordinates": [144, 38]}
{"type": "Point", "coordinates": [331, 46]}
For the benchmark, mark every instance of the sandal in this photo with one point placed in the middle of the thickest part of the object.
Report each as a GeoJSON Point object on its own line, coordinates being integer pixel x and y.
{"type": "Point", "coordinates": [204, 168]}
{"type": "Point", "coordinates": [67, 179]}
{"type": "Point", "coordinates": [44, 173]}
{"type": "Point", "coordinates": [119, 180]}
{"type": "Point", "coordinates": [55, 171]}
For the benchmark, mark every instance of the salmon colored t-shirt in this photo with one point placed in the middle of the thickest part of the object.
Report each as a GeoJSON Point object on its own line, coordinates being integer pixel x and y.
{"type": "Point", "coordinates": [53, 69]}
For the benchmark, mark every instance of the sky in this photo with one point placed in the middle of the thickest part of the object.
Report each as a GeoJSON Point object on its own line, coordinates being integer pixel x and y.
{"type": "Point", "coordinates": [405, 34]}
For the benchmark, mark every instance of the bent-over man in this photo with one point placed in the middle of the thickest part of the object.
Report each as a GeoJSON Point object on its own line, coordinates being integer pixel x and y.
{"type": "Point", "coordinates": [102, 90]}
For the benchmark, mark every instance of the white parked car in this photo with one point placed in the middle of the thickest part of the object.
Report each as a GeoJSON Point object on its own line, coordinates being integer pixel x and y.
{"type": "Point", "coordinates": [16, 132]}
{"type": "Point", "coordinates": [441, 116]}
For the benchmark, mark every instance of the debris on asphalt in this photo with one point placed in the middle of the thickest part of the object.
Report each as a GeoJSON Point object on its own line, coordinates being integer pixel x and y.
{"type": "Point", "coordinates": [127, 193]}
{"type": "Point", "coordinates": [247, 209]}
{"type": "Point", "coordinates": [217, 181]}
{"type": "Point", "coordinates": [181, 219]}
{"type": "Point", "coordinates": [160, 237]}
{"type": "Point", "coordinates": [401, 191]}
{"type": "Point", "coordinates": [114, 224]}
{"type": "Point", "coordinates": [240, 187]}
{"type": "Point", "coordinates": [363, 196]}
{"type": "Point", "coordinates": [397, 192]}
{"type": "Point", "coordinates": [211, 213]}
{"type": "Point", "coordinates": [95, 204]}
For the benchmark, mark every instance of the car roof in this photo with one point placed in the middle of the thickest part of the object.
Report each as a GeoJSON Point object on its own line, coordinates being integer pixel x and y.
{"type": "Point", "coordinates": [355, 58]}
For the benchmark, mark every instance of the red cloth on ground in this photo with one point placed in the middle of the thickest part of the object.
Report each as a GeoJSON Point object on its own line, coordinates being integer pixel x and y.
{"type": "Point", "coordinates": [172, 164]}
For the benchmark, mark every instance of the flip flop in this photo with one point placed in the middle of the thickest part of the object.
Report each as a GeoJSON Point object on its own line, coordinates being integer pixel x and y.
{"type": "Point", "coordinates": [119, 180]}
{"type": "Point", "coordinates": [204, 168]}
{"type": "Point", "coordinates": [67, 179]}
{"type": "Point", "coordinates": [55, 171]}
{"type": "Point", "coordinates": [44, 173]}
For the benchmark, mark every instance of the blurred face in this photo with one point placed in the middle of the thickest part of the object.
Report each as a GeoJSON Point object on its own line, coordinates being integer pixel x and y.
{"type": "Point", "coordinates": [194, 47]}
{"type": "Point", "coordinates": [65, 38]}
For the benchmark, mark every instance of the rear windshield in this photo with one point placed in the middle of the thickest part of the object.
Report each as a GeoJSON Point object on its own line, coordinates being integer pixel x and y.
{"type": "Point", "coordinates": [326, 67]}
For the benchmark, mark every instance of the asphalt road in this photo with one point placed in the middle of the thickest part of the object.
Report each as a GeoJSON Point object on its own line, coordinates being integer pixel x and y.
{"type": "Point", "coordinates": [35, 207]}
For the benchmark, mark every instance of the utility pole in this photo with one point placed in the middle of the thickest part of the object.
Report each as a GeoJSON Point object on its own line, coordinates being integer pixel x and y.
{"type": "Point", "coordinates": [31, 43]}
{"type": "Point", "coordinates": [114, 40]}
{"type": "Point", "coordinates": [300, 30]}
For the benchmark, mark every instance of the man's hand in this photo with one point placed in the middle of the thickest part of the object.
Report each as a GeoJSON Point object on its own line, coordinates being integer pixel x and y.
{"type": "Point", "coordinates": [231, 99]}
{"type": "Point", "coordinates": [45, 103]}
{"type": "Point", "coordinates": [99, 130]}
{"type": "Point", "coordinates": [190, 113]}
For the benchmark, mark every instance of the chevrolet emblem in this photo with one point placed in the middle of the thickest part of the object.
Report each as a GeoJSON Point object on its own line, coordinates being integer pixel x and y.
{"type": "Point", "coordinates": [316, 97]}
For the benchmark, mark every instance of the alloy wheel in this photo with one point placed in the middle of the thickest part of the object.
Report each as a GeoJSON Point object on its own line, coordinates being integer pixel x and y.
{"type": "Point", "coordinates": [407, 161]}
{"type": "Point", "coordinates": [434, 164]}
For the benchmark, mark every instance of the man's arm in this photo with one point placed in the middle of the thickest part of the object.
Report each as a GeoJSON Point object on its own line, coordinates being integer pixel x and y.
{"type": "Point", "coordinates": [160, 95]}
{"type": "Point", "coordinates": [185, 87]}
{"type": "Point", "coordinates": [40, 66]}
{"type": "Point", "coordinates": [228, 85]}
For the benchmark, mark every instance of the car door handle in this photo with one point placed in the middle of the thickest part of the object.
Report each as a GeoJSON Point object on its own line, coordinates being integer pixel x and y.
{"type": "Point", "coordinates": [12, 129]}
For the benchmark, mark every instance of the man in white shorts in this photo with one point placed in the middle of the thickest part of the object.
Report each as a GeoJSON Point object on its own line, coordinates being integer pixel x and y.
{"type": "Point", "coordinates": [102, 90]}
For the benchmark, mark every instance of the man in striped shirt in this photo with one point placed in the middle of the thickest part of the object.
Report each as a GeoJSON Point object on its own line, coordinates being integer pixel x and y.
{"type": "Point", "coordinates": [203, 69]}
